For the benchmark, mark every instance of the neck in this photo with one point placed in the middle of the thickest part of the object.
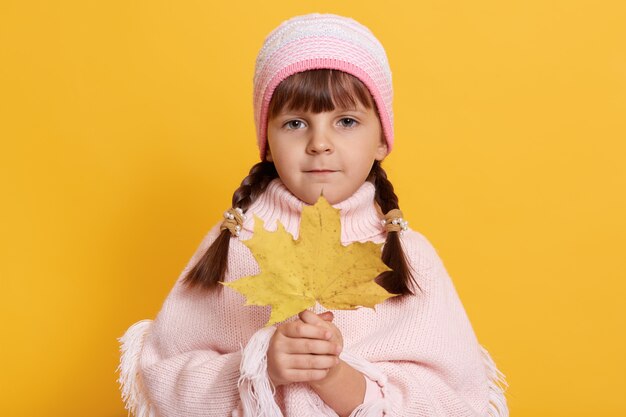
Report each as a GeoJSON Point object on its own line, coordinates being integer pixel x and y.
{"type": "Point", "coordinates": [360, 219]}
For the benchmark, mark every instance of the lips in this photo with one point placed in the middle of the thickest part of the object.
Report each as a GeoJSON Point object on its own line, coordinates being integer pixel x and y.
{"type": "Point", "coordinates": [321, 170]}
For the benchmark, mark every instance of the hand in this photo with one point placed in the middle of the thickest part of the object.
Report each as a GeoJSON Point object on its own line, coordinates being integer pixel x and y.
{"type": "Point", "coordinates": [343, 388]}
{"type": "Point", "coordinates": [324, 320]}
{"type": "Point", "coordinates": [303, 352]}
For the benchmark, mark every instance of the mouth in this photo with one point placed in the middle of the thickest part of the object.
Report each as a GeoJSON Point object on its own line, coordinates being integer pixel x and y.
{"type": "Point", "coordinates": [320, 171]}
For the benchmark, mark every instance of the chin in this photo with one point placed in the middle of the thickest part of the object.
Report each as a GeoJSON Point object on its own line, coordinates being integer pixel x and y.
{"type": "Point", "coordinates": [311, 196]}
{"type": "Point", "coordinates": [332, 196]}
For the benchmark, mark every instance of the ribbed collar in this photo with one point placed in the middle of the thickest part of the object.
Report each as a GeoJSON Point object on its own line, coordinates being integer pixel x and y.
{"type": "Point", "coordinates": [360, 220]}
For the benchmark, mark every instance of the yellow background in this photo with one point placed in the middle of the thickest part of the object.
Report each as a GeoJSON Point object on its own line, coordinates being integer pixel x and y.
{"type": "Point", "coordinates": [126, 125]}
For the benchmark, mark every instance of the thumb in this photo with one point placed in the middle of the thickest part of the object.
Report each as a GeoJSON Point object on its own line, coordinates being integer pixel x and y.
{"type": "Point", "coordinates": [327, 316]}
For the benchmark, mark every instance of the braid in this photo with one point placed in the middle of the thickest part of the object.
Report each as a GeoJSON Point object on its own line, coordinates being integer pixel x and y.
{"type": "Point", "coordinates": [398, 280]}
{"type": "Point", "coordinates": [254, 184]}
{"type": "Point", "coordinates": [211, 268]}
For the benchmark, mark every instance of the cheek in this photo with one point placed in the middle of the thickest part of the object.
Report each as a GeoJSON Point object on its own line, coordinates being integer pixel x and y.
{"type": "Point", "coordinates": [360, 165]}
{"type": "Point", "coordinates": [284, 158]}
{"type": "Point", "coordinates": [285, 163]}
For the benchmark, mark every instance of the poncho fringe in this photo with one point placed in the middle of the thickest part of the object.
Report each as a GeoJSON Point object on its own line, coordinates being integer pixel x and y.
{"type": "Point", "coordinates": [497, 385]}
{"type": "Point", "coordinates": [131, 385]}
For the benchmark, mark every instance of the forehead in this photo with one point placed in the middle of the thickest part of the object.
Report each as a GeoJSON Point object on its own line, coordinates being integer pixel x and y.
{"type": "Point", "coordinates": [359, 109]}
{"type": "Point", "coordinates": [317, 105]}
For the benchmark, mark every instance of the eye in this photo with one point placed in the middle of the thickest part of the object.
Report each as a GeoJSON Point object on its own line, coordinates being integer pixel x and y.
{"type": "Point", "coordinates": [348, 122]}
{"type": "Point", "coordinates": [294, 124]}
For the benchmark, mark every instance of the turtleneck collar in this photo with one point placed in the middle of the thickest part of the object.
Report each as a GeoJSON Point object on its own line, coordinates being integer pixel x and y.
{"type": "Point", "coordinates": [360, 220]}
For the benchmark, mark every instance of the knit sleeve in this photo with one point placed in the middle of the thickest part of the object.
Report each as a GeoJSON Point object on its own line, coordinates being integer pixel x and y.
{"type": "Point", "coordinates": [197, 383]}
{"type": "Point", "coordinates": [411, 389]}
{"type": "Point", "coordinates": [428, 362]}
{"type": "Point", "coordinates": [167, 367]}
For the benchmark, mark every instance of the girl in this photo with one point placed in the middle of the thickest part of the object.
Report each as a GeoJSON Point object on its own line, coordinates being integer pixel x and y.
{"type": "Point", "coordinates": [323, 113]}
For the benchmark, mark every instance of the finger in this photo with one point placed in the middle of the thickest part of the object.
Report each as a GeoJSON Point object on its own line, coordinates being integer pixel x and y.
{"type": "Point", "coordinates": [305, 375]}
{"type": "Point", "coordinates": [306, 361]}
{"type": "Point", "coordinates": [318, 347]}
{"type": "Point", "coordinates": [299, 329]}
{"type": "Point", "coordinates": [327, 316]}
{"type": "Point", "coordinates": [310, 317]}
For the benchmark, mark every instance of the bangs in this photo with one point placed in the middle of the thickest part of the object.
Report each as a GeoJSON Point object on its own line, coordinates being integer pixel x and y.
{"type": "Point", "coordinates": [319, 90]}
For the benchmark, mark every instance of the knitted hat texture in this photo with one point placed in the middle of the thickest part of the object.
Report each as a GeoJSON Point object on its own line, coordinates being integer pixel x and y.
{"type": "Point", "coordinates": [316, 41]}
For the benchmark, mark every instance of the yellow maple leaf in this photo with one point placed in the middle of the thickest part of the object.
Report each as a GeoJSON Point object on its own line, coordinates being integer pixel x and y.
{"type": "Point", "coordinates": [315, 267]}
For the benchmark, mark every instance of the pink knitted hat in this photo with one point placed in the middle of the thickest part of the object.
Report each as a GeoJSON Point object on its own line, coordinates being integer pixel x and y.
{"type": "Point", "coordinates": [315, 41]}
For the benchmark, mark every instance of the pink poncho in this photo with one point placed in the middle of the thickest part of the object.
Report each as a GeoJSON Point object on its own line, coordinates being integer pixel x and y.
{"type": "Point", "coordinates": [204, 353]}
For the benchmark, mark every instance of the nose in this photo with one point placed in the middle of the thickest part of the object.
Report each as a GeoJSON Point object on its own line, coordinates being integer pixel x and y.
{"type": "Point", "coordinates": [319, 143]}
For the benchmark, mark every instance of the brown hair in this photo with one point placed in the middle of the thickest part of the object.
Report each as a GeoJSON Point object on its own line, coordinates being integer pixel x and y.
{"type": "Point", "coordinates": [316, 91]}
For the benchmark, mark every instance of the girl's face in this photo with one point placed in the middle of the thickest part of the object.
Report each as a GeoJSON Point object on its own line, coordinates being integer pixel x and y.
{"type": "Point", "coordinates": [331, 151]}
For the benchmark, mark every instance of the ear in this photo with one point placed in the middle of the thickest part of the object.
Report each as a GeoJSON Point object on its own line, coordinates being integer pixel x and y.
{"type": "Point", "coordinates": [381, 150]}
{"type": "Point", "coordinates": [268, 153]}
